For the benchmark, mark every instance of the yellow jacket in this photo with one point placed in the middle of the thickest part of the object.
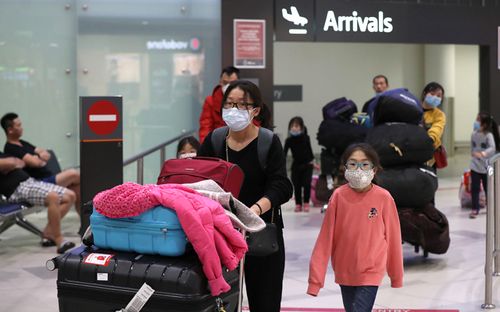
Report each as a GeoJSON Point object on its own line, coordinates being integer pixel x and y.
{"type": "Point", "coordinates": [434, 122]}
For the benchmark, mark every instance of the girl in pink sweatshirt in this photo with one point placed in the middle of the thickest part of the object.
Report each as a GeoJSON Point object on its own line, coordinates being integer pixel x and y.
{"type": "Point", "coordinates": [360, 234]}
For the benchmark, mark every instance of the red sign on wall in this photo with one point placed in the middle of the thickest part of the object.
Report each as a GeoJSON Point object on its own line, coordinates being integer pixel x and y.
{"type": "Point", "coordinates": [103, 117]}
{"type": "Point", "coordinates": [249, 45]}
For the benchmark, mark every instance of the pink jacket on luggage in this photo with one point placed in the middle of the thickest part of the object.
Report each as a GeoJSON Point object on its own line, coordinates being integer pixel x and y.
{"type": "Point", "coordinates": [203, 220]}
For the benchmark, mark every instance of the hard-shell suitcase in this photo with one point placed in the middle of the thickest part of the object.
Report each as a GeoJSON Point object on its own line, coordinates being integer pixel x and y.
{"type": "Point", "coordinates": [156, 231]}
{"type": "Point", "coordinates": [178, 282]}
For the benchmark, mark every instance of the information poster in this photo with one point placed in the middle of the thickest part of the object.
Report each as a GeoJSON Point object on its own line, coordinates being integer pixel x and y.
{"type": "Point", "coordinates": [249, 43]}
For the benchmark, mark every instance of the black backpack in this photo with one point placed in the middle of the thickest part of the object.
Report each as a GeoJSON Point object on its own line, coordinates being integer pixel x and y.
{"type": "Point", "coordinates": [264, 141]}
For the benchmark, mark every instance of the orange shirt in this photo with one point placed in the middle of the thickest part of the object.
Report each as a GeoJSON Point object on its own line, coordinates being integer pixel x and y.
{"type": "Point", "coordinates": [362, 237]}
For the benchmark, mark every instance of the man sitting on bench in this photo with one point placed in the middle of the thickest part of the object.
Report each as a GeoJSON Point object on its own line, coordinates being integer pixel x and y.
{"type": "Point", "coordinates": [36, 158]}
{"type": "Point", "coordinates": [17, 186]}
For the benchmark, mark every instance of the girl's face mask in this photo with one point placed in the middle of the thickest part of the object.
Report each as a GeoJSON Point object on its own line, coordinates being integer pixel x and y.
{"type": "Point", "coordinates": [359, 178]}
{"type": "Point", "coordinates": [432, 100]}
{"type": "Point", "coordinates": [187, 155]}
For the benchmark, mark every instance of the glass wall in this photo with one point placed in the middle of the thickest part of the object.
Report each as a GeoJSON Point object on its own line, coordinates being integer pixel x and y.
{"type": "Point", "coordinates": [37, 73]}
{"type": "Point", "coordinates": [162, 56]}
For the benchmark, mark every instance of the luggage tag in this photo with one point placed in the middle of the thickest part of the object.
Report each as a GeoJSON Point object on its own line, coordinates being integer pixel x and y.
{"type": "Point", "coordinates": [219, 305]}
{"type": "Point", "coordinates": [139, 300]}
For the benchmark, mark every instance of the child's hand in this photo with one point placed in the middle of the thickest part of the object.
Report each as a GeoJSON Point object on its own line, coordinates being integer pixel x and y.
{"type": "Point", "coordinates": [478, 154]}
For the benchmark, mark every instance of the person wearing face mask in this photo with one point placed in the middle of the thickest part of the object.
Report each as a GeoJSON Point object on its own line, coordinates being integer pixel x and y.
{"type": "Point", "coordinates": [485, 141]}
{"type": "Point", "coordinates": [360, 234]}
{"type": "Point", "coordinates": [303, 160]}
{"type": "Point", "coordinates": [264, 188]}
{"type": "Point", "coordinates": [188, 147]}
{"type": "Point", "coordinates": [210, 117]}
{"type": "Point", "coordinates": [380, 84]}
{"type": "Point", "coordinates": [434, 120]}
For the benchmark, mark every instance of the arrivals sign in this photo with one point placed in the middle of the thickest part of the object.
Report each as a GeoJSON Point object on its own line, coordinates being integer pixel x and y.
{"type": "Point", "coordinates": [323, 20]}
{"type": "Point", "coordinates": [249, 43]}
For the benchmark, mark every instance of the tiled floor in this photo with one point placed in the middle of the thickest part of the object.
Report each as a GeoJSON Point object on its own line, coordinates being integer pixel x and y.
{"type": "Point", "coordinates": [454, 280]}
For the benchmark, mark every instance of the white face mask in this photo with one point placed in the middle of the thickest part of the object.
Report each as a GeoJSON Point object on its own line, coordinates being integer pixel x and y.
{"type": "Point", "coordinates": [358, 178]}
{"type": "Point", "coordinates": [187, 155]}
{"type": "Point", "coordinates": [224, 88]}
{"type": "Point", "coordinates": [236, 119]}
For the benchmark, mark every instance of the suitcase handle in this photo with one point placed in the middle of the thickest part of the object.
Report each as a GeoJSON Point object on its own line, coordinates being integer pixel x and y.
{"type": "Point", "coordinates": [208, 158]}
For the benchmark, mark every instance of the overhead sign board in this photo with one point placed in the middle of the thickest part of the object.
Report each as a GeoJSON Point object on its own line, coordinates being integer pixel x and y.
{"type": "Point", "coordinates": [294, 20]}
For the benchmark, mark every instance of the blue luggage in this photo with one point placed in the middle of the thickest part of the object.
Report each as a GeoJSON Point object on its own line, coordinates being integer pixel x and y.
{"type": "Point", "coordinates": [156, 231]}
{"type": "Point", "coordinates": [340, 109]}
{"type": "Point", "coordinates": [396, 105]}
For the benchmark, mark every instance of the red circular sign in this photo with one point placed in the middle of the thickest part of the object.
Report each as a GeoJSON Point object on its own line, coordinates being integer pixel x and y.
{"type": "Point", "coordinates": [102, 117]}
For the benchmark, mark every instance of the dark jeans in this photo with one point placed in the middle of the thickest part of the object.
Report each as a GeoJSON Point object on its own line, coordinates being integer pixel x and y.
{"type": "Point", "coordinates": [264, 279]}
{"type": "Point", "coordinates": [358, 298]}
{"type": "Point", "coordinates": [301, 179]}
{"type": "Point", "coordinates": [475, 187]}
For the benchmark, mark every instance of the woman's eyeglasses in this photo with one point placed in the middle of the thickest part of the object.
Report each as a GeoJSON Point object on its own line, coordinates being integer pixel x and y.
{"type": "Point", "coordinates": [364, 165]}
{"type": "Point", "coordinates": [238, 105]}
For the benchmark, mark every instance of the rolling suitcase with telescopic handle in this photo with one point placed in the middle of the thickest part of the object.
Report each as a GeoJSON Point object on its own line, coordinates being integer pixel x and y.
{"type": "Point", "coordinates": [93, 279]}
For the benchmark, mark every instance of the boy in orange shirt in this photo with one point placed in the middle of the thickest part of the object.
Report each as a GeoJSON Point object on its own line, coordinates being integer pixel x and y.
{"type": "Point", "coordinates": [360, 234]}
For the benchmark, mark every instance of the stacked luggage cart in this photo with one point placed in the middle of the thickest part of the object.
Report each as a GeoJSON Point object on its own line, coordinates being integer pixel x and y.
{"type": "Point", "coordinates": [404, 148]}
{"type": "Point", "coordinates": [146, 262]}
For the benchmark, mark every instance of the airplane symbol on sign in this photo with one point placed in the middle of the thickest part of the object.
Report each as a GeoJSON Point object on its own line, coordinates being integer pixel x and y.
{"type": "Point", "coordinates": [296, 19]}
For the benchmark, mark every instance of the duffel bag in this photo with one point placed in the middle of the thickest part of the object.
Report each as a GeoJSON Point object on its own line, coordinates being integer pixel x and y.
{"type": "Point", "coordinates": [400, 143]}
{"type": "Point", "coordinates": [339, 109]}
{"type": "Point", "coordinates": [190, 170]}
{"type": "Point", "coordinates": [339, 135]}
{"type": "Point", "coordinates": [411, 187]}
{"type": "Point", "coordinates": [397, 105]}
{"type": "Point", "coordinates": [426, 227]}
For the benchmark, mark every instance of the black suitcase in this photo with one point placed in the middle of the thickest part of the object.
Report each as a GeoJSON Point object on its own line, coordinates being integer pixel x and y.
{"type": "Point", "coordinates": [179, 282]}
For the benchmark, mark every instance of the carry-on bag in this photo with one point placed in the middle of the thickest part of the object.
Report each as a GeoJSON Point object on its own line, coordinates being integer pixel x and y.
{"type": "Point", "coordinates": [156, 231]}
{"type": "Point", "coordinates": [425, 227]}
{"type": "Point", "coordinates": [411, 187]}
{"type": "Point", "coordinates": [100, 280]}
{"type": "Point", "coordinates": [339, 135]}
{"type": "Point", "coordinates": [400, 144]}
{"type": "Point", "coordinates": [340, 109]}
{"type": "Point", "coordinates": [189, 170]}
{"type": "Point", "coordinates": [396, 105]}
{"type": "Point", "coordinates": [465, 195]}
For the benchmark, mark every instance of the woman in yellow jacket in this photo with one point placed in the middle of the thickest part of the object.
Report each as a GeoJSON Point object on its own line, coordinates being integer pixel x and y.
{"type": "Point", "coordinates": [434, 119]}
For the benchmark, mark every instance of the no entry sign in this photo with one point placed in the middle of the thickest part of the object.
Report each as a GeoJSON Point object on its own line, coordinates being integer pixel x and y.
{"type": "Point", "coordinates": [103, 117]}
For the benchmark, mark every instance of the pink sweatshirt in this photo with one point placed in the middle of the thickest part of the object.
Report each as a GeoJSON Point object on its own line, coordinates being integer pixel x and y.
{"type": "Point", "coordinates": [204, 221]}
{"type": "Point", "coordinates": [362, 237]}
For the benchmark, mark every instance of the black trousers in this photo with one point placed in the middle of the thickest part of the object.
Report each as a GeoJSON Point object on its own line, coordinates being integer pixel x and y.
{"type": "Point", "coordinates": [264, 279]}
{"type": "Point", "coordinates": [475, 187]}
{"type": "Point", "coordinates": [301, 179]}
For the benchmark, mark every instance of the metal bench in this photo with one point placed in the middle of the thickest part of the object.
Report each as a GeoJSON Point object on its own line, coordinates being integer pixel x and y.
{"type": "Point", "coordinates": [15, 213]}
{"type": "Point", "coordinates": [11, 214]}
